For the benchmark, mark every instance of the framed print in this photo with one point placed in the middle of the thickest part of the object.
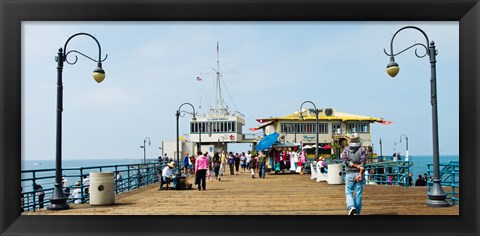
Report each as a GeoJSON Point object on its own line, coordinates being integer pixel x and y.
{"type": "Point", "coordinates": [294, 63]}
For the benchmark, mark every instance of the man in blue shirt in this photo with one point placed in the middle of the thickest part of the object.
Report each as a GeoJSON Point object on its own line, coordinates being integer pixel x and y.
{"type": "Point", "coordinates": [185, 164]}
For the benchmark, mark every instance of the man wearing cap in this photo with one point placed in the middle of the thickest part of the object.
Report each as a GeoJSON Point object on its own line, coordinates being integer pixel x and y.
{"type": "Point", "coordinates": [167, 174]}
{"type": "Point", "coordinates": [354, 158]}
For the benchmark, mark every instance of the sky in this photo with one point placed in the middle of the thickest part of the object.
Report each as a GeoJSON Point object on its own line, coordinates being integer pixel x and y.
{"type": "Point", "coordinates": [269, 69]}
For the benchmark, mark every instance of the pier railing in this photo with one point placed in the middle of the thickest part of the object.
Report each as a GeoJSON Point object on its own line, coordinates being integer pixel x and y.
{"type": "Point", "coordinates": [133, 176]}
{"type": "Point", "coordinates": [449, 177]}
{"type": "Point", "coordinates": [388, 173]}
{"type": "Point", "coordinates": [398, 172]}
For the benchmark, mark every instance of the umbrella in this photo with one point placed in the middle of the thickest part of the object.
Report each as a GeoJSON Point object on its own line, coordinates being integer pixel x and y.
{"type": "Point", "coordinates": [326, 147]}
{"type": "Point", "coordinates": [307, 147]}
{"type": "Point", "coordinates": [267, 141]}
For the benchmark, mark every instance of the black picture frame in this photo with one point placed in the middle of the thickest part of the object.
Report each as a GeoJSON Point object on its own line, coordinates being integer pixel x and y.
{"type": "Point", "coordinates": [12, 13]}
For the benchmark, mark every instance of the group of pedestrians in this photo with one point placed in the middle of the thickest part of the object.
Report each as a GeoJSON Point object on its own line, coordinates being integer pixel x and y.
{"type": "Point", "coordinates": [353, 156]}
{"type": "Point", "coordinates": [204, 167]}
{"type": "Point", "coordinates": [422, 180]}
{"type": "Point", "coordinates": [239, 163]}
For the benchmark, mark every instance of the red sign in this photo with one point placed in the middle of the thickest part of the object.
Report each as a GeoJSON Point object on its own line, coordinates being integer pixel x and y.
{"type": "Point", "coordinates": [386, 122]}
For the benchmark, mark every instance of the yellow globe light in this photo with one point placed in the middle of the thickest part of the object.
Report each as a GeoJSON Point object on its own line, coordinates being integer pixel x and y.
{"type": "Point", "coordinates": [99, 73]}
{"type": "Point", "coordinates": [392, 68]}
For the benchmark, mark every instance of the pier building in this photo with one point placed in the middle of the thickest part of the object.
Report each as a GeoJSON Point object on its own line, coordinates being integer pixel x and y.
{"type": "Point", "coordinates": [334, 129]}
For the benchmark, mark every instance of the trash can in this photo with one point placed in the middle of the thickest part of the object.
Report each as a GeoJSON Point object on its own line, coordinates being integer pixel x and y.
{"type": "Point", "coordinates": [321, 176]}
{"type": "Point", "coordinates": [102, 188]}
{"type": "Point", "coordinates": [334, 175]}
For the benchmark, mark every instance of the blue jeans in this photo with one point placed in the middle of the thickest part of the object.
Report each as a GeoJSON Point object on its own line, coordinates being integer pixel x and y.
{"type": "Point", "coordinates": [352, 184]}
{"type": "Point", "coordinates": [261, 168]}
{"type": "Point", "coordinates": [170, 180]}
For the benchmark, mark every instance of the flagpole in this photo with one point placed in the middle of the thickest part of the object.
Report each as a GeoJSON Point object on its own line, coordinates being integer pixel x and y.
{"type": "Point", "coordinates": [381, 154]}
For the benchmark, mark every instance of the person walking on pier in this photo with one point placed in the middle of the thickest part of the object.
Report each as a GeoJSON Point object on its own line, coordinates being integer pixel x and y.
{"type": "Point", "coordinates": [231, 162]}
{"type": "Point", "coordinates": [253, 164]}
{"type": "Point", "coordinates": [185, 164]}
{"type": "Point", "coordinates": [201, 166]}
{"type": "Point", "coordinates": [209, 172]}
{"type": "Point", "coordinates": [262, 160]}
{"type": "Point", "coordinates": [223, 162]}
{"type": "Point", "coordinates": [237, 163]}
{"type": "Point", "coordinates": [248, 158]}
{"type": "Point", "coordinates": [354, 158]}
{"type": "Point", "coordinates": [243, 162]}
{"type": "Point", "coordinates": [216, 165]}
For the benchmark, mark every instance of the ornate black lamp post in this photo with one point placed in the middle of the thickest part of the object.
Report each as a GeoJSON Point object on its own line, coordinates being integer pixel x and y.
{"type": "Point", "coordinates": [381, 153]}
{"type": "Point", "coordinates": [177, 114]}
{"type": "Point", "coordinates": [58, 200]}
{"type": "Point", "coordinates": [300, 116]}
{"type": "Point", "coordinates": [436, 196]}
{"type": "Point", "coordinates": [199, 133]}
{"type": "Point", "coordinates": [145, 148]}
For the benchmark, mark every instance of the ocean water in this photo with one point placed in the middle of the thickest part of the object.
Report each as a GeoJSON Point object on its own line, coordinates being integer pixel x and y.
{"type": "Point", "coordinates": [420, 163]}
{"type": "Point", "coordinates": [72, 176]}
{"type": "Point", "coordinates": [76, 163]}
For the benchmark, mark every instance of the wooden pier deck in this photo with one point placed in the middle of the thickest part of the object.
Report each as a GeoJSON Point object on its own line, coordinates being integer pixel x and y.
{"type": "Point", "coordinates": [280, 194]}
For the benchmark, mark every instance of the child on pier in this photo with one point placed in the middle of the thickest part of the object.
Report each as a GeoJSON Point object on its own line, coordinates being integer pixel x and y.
{"type": "Point", "coordinates": [209, 173]}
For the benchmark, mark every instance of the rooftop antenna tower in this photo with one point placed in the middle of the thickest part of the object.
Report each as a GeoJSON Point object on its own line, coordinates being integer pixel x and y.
{"type": "Point", "coordinates": [219, 101]}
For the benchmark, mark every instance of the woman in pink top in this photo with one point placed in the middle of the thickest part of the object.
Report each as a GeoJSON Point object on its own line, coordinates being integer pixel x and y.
{"type": "Point", "coordinates": [201, 166]}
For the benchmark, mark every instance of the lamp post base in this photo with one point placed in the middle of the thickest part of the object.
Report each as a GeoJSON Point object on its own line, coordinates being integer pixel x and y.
{"type": "Point", "coordinates": [58, 200]}
{"type": "Point", "coordinates": [56, 207]}
{"type": "Point", "coordinates": [436, 196]}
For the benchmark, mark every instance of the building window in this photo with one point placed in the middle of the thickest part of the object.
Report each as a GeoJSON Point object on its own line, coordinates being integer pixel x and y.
{"type": "Point", "coordinates": [233, 126]}
{"type": "Point", "coordinates": [307, 128]}
{"type": "Point", "coordinates": [358, 128]}
{"type": "Point", "coordinates": [286, 128]}
{"type": "Point", "coordinates": [323, 128]}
